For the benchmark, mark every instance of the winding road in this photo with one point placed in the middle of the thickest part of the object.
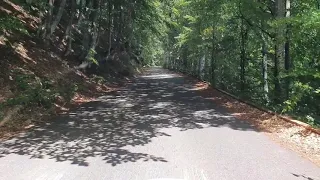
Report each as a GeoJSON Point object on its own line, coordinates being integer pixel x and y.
{"type": "Point", "coordinates": [155, 128]}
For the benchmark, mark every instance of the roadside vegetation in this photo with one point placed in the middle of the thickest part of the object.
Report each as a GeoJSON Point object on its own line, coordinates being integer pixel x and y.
{"type": "Point", "coordinates": [263, 51]}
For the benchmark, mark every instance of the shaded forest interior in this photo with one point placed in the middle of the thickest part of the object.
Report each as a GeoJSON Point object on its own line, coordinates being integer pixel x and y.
{"type": "Point", "coordinates": [57, 52]}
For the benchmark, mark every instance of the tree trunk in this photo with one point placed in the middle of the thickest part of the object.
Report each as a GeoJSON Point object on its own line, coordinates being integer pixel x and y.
{"type": "Point", "coordinates": [265, 66]}
{"type": "Point", "coordinates": [94, 27]}
{"type": "Point", "coordinates": [279, 50]}
{"type": "Point", "coordinates": [264, 53]}
{"type": "Point", "coordinates": [110, 19]}
{"type": "Point", "coordinates": [68, 33]}
{"type": "Point", "coordinates": [202, 63]}
{"type": "Point", "coordinates": [81, 9]}
{"type": "Point", "coordinates": [48, 20]}
{"type": "Point", "coordinates": [277, 86]}
{"type": "Point", "coordinates": [185, 58]}
{"type": "Point", "coordinates": [287, 63]}
{"type": "Point", "coordinates": [57, 18]}
{"type": "Point", "coordinates": [119, 27]}
{"type": "Point", "coordinates": [213, 58]}
{"type": "Point", "coordinates": [199, 64]}
{"type": "Point", "coordinates": [244, 34]}
{"type": "Point", "coordinates": [86, 30]}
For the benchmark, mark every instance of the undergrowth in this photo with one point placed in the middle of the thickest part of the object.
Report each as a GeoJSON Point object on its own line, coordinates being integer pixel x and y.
{"type": "Point", "coordinates": [11, 23]}
{"type": "Point", "coordinates": [34, 92]}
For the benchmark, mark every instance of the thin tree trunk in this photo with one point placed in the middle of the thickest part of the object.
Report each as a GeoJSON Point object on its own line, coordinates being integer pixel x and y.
{"type": "Point", "coordinates": [264, 54]}
{"type": "Point", "coordinates": [130, 22]}
{"type": "Point", "coordinates": [279, 49]}
{"type": "Point", "coordinates": [277, 86]}
{"type": "Point", "coordinates": [243, 33]}
{"type": "Point", "coordinates": [86, 30]}
{"type": "Point", "coordinates": [110, 7]}
{"type": "Point", "coordinates": [68, 33]}
{"type": "Point", "coordinates": [94, 27]}
{"type": "Point", "coordinates": [58, 17]}
{"type": "Point", "coordinates": [100, 21]}
{"type": "Point", "coordinates": [199, 64]}
{"type": "Point", "coordinates": [118, 29]}
{"type": "Point", "coordinates": [48, 19]}
{"type": "Point", "coordinates": [202, 65]}
{"type": "Point", "coordinates": [81, 9]}
{"type": "Point", "coordinates": [265, 67]}
{"type": "Point", "coordinates": [121, 25]}
{"type": "Point", "coordinates": [287, 64]}
{"type": "Point", "coordinates": [213, 58]}
{"type": "Point", "coordinates": [70, 22]}
{"type": "Point", "coordinates": [42, 26]}
{"type": "Point", "coordinates": [185, 58]}
{"type": "Point", "coordinates": [200, 52]}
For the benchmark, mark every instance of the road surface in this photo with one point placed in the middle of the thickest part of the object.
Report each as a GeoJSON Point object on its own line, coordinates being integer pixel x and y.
{"type": "Point", "coordinates": [158, 127]}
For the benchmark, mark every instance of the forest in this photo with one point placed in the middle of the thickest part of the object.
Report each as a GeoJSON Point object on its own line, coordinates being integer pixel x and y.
{"type": "Point", "coordinates": [266, 52]}
{"type": "Point", "coordinates": [263, 51]}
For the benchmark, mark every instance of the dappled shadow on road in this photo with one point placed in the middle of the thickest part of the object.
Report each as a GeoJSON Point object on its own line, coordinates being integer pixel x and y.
{"type": "Point", "coordinates": [131, 117]}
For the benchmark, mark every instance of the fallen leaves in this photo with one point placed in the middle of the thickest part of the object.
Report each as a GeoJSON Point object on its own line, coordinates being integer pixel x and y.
{"type": "Point", "coordinates": [290, 135]}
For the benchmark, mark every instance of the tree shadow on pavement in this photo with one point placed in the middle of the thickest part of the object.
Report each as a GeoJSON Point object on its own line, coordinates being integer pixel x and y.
{"type": "Point", "coordinates": [303, 176]}
{"type": "Point", "coordinates": [131, 117]}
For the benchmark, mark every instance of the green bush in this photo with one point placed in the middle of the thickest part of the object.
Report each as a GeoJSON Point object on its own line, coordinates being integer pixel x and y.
{"type": "Point", "coordinates": [32, 92]}
{"type": "Point", "coordinates": [68, 91]}
{"type": "Point", "coordinates": [11, 23]}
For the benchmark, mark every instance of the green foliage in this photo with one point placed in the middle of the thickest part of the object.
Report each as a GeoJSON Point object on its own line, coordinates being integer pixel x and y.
{"type": "Point", "coordinates": [98, 79]}
{"type": "Point", "coordinates": [11, 23]}
{"type": "Point", "coordinates": [32, 92]}
{"type": "Point", "coordinates": [311, 120]}
{"type": "Point", "coordinates": [2, 105]}
{"type": "Point", "coordinates": [68, 91]}
{"type": "Point", "coordinates": [35, 92]}
{"type": "Point", "coordinates": [299, 91]}
{"type": "Point", "coordinates": [231, 35]}
{"type": "Point", "coordinates": [91, 56]}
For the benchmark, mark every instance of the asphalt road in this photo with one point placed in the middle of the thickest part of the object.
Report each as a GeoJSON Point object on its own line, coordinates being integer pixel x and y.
{"type": "Point", "coordinates": [155, 128]}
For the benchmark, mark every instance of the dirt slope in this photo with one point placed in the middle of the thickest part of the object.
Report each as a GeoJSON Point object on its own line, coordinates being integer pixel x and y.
{"type": "Point", "coordinates": [36, 81]}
